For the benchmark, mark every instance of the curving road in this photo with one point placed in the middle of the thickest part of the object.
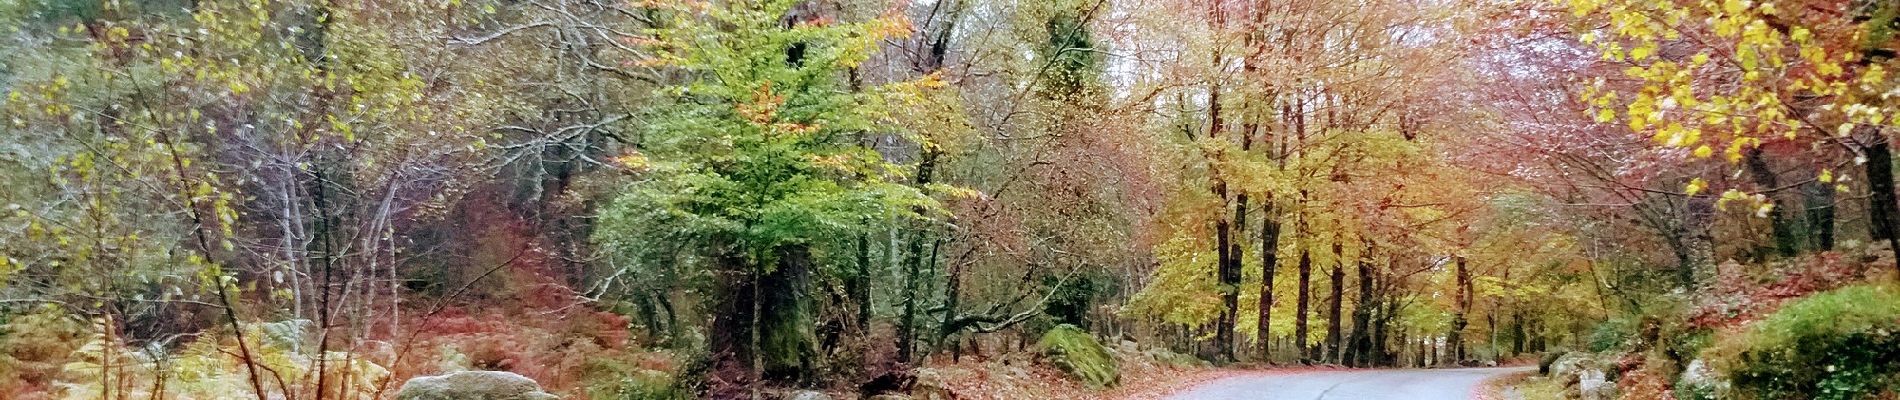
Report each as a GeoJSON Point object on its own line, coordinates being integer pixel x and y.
{"type": "Point", "coordinates": [1389, 384]}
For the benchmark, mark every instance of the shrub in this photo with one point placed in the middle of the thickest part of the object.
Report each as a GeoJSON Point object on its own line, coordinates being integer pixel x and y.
{"type": "Point", "coordinates": [1612, 334]}
{"type": "Point", "coordinates": [1075, 351]}
{"type": "Point", "coordinates": [1839, 344]}
{"type": "Point", "coordinates": [644, 378]}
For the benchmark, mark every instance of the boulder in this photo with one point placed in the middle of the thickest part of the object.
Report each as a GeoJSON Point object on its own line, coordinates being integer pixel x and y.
{"type": "Point", "coordinates": [1544, 362]}
{"type": "Point", "coordinates": [930, 385]}
{"type": "Point", "coordinates": [1567, 365]}
{"type": "Point", "coordinates": [808, 395]}
{"type": "Point", "coordinates": [1572, 369]}
{"type": "Point", "coordinates": [1700, 382]}
{"type": "Point", "coordinates": [473, 385]}
{"type": "Point", "coordinates": [1592, 385]}
{"type": "Point", "coordinates": [1075, 351]}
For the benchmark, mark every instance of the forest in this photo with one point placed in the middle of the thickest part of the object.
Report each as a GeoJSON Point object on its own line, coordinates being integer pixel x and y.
{"type": "Point", "coordinates": [945, 199]}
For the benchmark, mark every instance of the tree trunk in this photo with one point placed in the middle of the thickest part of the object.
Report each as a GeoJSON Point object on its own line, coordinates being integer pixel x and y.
{"type": "Point", "coordinates": [1305, 293]}
{"type": "Point", "coordinates": [1359, 348]}
{"type": "Point", "coordinates": [1386, 312]}
{"type": "Point", "coordinates": [1819, 199]}
{"type": "Point", "coordinates": [1517, 331]}
{"type": "Point", "coordinates": [907, 324]}
{"type": "Point", "coordinates": [1765, 179]}
{"type": "Point", "coordinates": [649, 318]}
{"type": "Point", "coordinates": [1224, 327]}
{"type": "Point", "coordinates": [1455, 339]}
{"type": "Point", "coordinates": [1694, 240]}
{"type": "Point", "coordinates": [787, 337]}
{"type": "Point", "coordinates": [1536, 332]}
{"type": "Point", "coordinates": [1334, 341]}
{"type": "Point", "coordinates": [1225, 245]}
{"type": "Point", "coordinates": [1269, 261]}
{"type": "Point", "coordinates": [731, 349]}
{"type": "Point", "coordinates": [1230, 278]}
{"type": "Point", "coordinates": [861, 285]}
{"type": "Point", "coordinates": [672, 319]}
{"type": "Point", "coordinates": [1881, 208]}
{"type": "Point", "coordinates": [952, 297]}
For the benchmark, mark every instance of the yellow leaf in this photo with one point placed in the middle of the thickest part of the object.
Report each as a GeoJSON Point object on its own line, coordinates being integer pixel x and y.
{"type": "Point", "coordinates": [1696, 186]}
{"type": "Point", "coordinates": [1641, 52]}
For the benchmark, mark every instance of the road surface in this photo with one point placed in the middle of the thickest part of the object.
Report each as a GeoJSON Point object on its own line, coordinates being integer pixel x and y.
{"type": "Point", "coordinates": [1390, 384]}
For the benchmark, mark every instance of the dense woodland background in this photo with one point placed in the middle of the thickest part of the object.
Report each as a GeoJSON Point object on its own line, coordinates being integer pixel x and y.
{"type": "Point", "coordinates": [318, 199]}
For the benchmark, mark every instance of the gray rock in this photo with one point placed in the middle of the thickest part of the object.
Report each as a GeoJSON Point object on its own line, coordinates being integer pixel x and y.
{"type": "Point", "coordinates": [889, 396]}
{"type": "Point", "coordinates": [808, 395]}
{"type": "Point", "coordinates": [1582, 375]}
{"type": "Point", "coordinates": [1700, 382]}
{"type": "Point", "coordinates": [1568, 364]}
{"type": "Point", "coordinates": [473, 385]}
{"type": "Point", "coordinates": [1591, 385]}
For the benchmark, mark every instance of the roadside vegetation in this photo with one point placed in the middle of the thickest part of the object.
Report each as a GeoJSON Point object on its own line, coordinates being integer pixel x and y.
{"type": "Point", "coordinates": [891, 199]}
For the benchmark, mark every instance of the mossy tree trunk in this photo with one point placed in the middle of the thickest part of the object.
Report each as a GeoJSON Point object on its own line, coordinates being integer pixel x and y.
{"type": "Point", "coordinates": [787, 336]}
{"type": "Point", "coordinates": [907, 323]}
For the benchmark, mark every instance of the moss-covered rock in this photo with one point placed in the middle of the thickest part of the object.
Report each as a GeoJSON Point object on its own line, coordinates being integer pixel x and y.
{"type": "Point", "coordinates": [1078, 353]}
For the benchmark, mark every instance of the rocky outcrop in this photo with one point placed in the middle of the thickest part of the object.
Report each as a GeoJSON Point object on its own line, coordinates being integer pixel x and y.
{"type": "Point", "coordinates": [473, 385]}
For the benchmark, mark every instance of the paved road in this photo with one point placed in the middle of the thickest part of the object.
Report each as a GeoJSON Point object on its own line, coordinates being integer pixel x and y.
{"type": "Point", "coordinates": [1394, 384]}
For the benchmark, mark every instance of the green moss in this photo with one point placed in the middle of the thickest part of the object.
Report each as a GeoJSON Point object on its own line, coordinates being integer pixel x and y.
{"type": "Point", "coordinates": [1169, 358]}
{"type": "Point", "coordinates": [1841, 344]}
{"type": "Point", "coordinates": [1880, 27]}
{"type": "Point", "coordinates": [615, 380]}
{"type": "Point", "coordinates": [1078, 353]}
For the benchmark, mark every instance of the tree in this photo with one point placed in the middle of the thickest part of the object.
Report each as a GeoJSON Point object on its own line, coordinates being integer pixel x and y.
{"type": "Point", "coordinates": [755, 159]}
{"type": "Point", "coordinates": [1728, 77]}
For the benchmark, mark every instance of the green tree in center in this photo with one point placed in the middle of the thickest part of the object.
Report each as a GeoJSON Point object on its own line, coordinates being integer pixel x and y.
{"type": "Point", "coordinates": [757, 159]}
